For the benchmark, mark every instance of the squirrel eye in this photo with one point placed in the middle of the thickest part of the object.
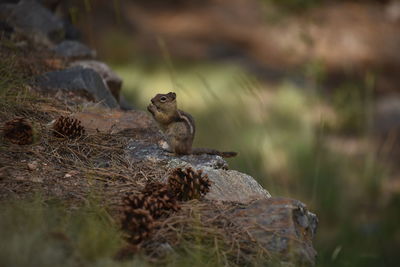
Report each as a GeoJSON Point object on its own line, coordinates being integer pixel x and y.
{"type": "Point", "coordinates": [163, 99]}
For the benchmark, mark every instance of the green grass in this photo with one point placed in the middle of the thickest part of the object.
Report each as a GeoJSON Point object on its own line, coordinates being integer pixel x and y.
{"type": "Point", "coordinates": [39, 233]}
{"type": "Point", "coordinates": [12, 81]}
{"type": "Point", "coordinates": [294, 5]}
{"type": "Point", "coordinates": [15, 97]}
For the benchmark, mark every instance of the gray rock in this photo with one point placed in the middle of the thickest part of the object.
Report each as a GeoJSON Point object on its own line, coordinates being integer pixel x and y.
{"type": "Point", "coordinates": [227, 185]}
{"type": "Point", "coordinates": [387, 115]}
{"type": "Point", "coordinates": [5, 30]}
{"type": "Point", "coordinates": [386, 126]}
{"type": "Point", "coordinates": [50, 4]}
{"type": "Point", "coordinates": [233, 186]}
{"type": "Point", "coordinates": [78, 79]}
{"type": "Point", "coordinates": [32, 19]}
{"type": "Point", "coordinates": [139, 151]}
{"type": "Point", "coordinates": [113, 81]}
{"type": "Point", "coordinates": [124, 103]}
{"type": "Point", "coordinates": [283, 227]}
{"type": "Point", "coordinates": [74, 49]}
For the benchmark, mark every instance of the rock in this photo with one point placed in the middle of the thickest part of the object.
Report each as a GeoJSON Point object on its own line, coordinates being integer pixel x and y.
{"type": "Point", "coordinates": [113, 81]}
{"type": "Point", "coordinates": [9, 1]}
{"type": "Point", "coordinates": [78, 79]}
{"type": "Point", "coordinates": [33, 165]}
{"type": "Point", "coordinates": [387, 115]}
{"type": "Point", "coordinates": [36, 179]}
{"type": "Point", "coordinates": [227, 185]}
{"type": "Point", "coordinates": [62, 11]}
{"type": "Point", "coordinates": [73, 49]}
{"type": "Point", "coordinates": [50, 4]}
{"type": "Point", "coordinates": [34, 20]}
{"type": "Point", "coordinates": [282, 226]}
{"type": "Point", "coordinates": [71, 32]}
{"type": "Point", "coordinates": [386, 126]}
{"type": "Point", "coordinates": [124, 103]}
{"type": "Point", "coordinates": [5, 30]}
{"type": "Point", "coordinates": [4, 172]}
{"type": "Point", "coordinates": [392, 11]}
{"type": "Point", "coordinates": [20, 178]}
{"type": "Point", "coordinates": [142, 150]}
{"type": "Point", "coordinates": [234, 186]}
{"type": "Point", "coordinates": [113, 121]}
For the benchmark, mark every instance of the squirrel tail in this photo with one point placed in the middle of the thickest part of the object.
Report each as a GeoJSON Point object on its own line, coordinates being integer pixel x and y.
{"type": "Point", "coordinates": [199, 151]}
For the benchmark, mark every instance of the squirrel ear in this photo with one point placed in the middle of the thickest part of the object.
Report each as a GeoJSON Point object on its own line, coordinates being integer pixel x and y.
{"type": "Point", "coordinates": [172, 94]}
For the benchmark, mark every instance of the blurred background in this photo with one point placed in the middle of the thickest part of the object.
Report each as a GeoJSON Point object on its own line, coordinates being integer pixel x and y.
{"type": "Point", "coordinates": [307, 91]}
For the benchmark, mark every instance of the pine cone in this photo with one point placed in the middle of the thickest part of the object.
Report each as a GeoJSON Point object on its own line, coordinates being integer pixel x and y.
{"type": "Point", "coordinates": [188, 184]}
{"type": "Point", "coordinates": [161, 200]}
{"type": "Point", "coordinates": [18, 131]}
{"type": "Point", "coordinates": [68, 127]}
{"type": "Point", "coordinates": [139, 211]}
{"type": "Point", "coordinates": [137, 223]}
{"type": "Point", "coordinates": [154, 188]}
{"type": "Point", "coordinates": [155, 198]}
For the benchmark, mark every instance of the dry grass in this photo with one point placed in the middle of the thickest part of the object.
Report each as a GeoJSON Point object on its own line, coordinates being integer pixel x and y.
{"type": "Point", "coordinates": [69, 169]}
{"type": "Point", "coordinates": [93, 162]}
{"type": "Point", "coordinates": [205, 229]}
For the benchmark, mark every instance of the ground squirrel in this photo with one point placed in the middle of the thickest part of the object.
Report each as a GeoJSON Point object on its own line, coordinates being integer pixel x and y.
{"type": "Point", "coordinates": [178, 126]}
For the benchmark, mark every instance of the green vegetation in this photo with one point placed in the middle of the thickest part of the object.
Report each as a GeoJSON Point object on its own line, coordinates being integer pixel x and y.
{"type": "Point", "coordinates": [38, 233]}
{"type": "Point", "coordinates": [294, 5]}
{"type": "Point", "coordinates": [11, 81]}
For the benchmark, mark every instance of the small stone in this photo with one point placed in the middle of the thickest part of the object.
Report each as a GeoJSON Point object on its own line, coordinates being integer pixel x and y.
{"type": "Point", "coordinates": [74, 172]}
{"type": "Point", "coordinates": [71, 173]}
{"type": "Point", "coordinates": [37, 179]}
{"type": "Point", "coordinates": [40, 148]}
{"type": "Point", "coordinates": [19, 178]}
{"type": "Point", "coordinates": [33, 165]}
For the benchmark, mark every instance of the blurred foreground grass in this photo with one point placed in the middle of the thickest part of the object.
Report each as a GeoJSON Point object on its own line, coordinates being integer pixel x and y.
{"type": "Point", "coordinates": [35, 233]}
{"type": "Point", "coordinates": [42, 233]}
{"type": "Point", "coordinates": [294, 141]}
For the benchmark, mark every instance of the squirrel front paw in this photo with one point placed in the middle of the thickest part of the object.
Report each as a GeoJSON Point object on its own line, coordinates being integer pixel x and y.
{"type": "Point", "coordinates": [151, 108]}
{"type": "Point", "coordinates": [164, 145]}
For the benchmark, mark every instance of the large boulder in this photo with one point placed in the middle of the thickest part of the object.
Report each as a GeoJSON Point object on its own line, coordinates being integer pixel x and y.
{"type": "Point", "coordinates": [284, 227]}
{"type": "Point", "coordinates": [78, 79]}
{"type": "Point", "coordinates": [33, 20]}
{"type": "Point", "coordinates": [113, 81]}
{"type": "Point", "coordinates": [387, 115]}
{"type": "Point", "coordinates": [386, 125]}
{"type": "Point", "coordinates": [227, 185]}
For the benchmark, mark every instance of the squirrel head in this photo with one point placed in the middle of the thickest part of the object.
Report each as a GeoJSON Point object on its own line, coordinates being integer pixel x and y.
{"type": "Point", "coordinates": [165, 102]}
